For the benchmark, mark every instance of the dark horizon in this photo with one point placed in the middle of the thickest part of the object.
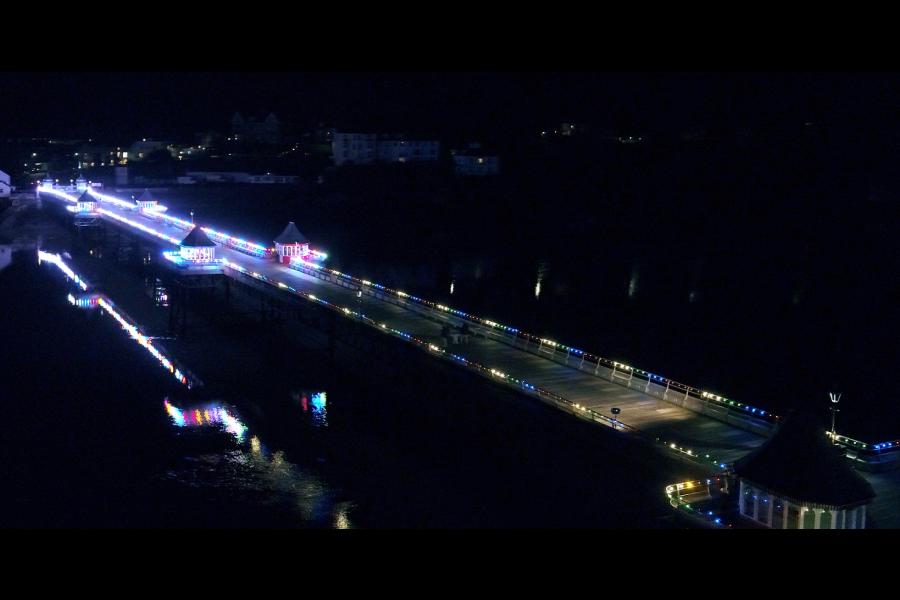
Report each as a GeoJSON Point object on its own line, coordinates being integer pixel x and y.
{"type": "Point", "coordinates": [178, 105]}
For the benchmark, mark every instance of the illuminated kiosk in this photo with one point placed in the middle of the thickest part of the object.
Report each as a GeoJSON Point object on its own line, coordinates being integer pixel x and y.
{"type": "Point", "coordinates": [799, 480]}
{"type": "Point", "coordinates": [197, 253]}
{"type": "Point", "coordinates": [291, 243]}
{"type": "Point", "coordinates": [145, 201]}
{"type": "Point", "coordinates": [81, 184]}
{"type": "Point", "coordinates": [86, 203]}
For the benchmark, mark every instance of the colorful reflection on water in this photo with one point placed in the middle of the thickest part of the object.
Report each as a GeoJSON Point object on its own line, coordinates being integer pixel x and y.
{"type": "Point", "coordinates": [209, 415]}
{"type": "Point", "coordinates": [315, 405]}
{"type": "Point", "coordinates": [94, 300]}
{"type": "Point", "coordinates": [319, 409]}
{"type": "Point", "coordinates": [254, 470]}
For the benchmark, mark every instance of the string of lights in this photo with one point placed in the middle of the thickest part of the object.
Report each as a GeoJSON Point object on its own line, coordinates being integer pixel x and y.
{"type": "Point", "coordinates": [543, 393]}
{"type": "Point", "coordinates": [677, 500]}
{"type": "Point", "coordinates": [768, 416]}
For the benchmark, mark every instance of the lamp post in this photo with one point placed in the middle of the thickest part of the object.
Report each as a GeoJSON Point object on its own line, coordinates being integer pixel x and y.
{"type": "Point", "coordinates": [835, 398]}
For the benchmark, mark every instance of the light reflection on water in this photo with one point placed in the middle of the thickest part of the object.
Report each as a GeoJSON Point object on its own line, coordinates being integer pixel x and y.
{"type": "Point", "coordinates": [95, 300]}
{"type": "Point", "coordinates": [209, 415]}
{"type": "Point", "coordinates": [253, 471]}
{"type": "Point", "coordinates": [315, 405]}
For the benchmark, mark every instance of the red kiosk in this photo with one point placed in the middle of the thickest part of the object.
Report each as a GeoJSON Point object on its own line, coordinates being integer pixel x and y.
{"type": "Point", "coordinates": [291, 243]}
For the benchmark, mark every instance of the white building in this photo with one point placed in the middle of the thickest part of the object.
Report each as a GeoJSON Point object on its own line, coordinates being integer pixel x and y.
{"type": "Point", "coordinates": [354, 148]}
{"type": "Point", "coordinates": [369, 148]}
{"type": "Point", "coordinates": [236, 177]}
{"type": "Point", "coordinates": [390, 151]}
{"type": "Point", "coordinates": [5, 187]}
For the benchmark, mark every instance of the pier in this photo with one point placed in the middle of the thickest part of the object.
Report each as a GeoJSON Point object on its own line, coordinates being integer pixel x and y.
{"type": "Point", "coordinates": [696, 425]}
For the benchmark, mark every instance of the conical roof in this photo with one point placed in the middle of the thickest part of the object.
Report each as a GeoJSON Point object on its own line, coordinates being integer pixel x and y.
{"type": "Point", "coordinates": [291, 235]}
{"type": "Point", "coordinates": [800, 463]}
{"type": "Point", "coordinates": [145, 197]}
{"type": "Point", "coordinates": [86, 197]}
{"type": "Point", "coordinates": [197, 239]}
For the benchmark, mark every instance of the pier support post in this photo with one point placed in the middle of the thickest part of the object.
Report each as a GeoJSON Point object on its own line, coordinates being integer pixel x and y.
{"type": "Point", "coordinates": [771, 510]}
{"type": "Point", "coordinates": [756, 505]}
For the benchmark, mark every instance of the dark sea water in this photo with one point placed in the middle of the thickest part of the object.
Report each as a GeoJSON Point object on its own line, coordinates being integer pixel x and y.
{"type": "Point", "coordinates": [97, 434]}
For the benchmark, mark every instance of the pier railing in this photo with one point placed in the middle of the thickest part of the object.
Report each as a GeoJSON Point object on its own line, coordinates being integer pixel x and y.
{"type": "Point", "coordinates": [672, 448]}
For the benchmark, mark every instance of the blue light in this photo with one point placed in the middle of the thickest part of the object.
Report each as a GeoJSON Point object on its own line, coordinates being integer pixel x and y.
{"type": "Point", "coordinates": [319, 403]}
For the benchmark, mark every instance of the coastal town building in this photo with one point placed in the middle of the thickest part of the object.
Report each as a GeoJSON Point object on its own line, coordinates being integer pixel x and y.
{"type": "Point", "coordinates": [371, 148]}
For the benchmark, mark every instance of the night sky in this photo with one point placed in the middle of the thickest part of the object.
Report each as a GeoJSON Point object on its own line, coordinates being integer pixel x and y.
{"type": "Point", "coordinates": [177, 105]}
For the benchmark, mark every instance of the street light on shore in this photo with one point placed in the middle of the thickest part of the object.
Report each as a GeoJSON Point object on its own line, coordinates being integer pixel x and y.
{"type": "Point", "coordinates": [835, 398]}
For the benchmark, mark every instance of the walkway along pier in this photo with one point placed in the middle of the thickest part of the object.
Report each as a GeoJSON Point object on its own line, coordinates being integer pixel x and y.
{"type": "Point", "coordinates": [694, 424]}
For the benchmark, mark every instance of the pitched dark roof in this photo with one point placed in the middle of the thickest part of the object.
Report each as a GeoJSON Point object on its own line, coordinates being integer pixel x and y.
{"type": "Point", "coordinates": [197, 239]}
{"type": "Point", "coordinates": [86, 197]}
{"type": "Point", "coordinates": [800, 463]}
{"type": "Point", "coordinates": [291, 235]}
{"type": "Point", "coordinates": [145, 197]}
